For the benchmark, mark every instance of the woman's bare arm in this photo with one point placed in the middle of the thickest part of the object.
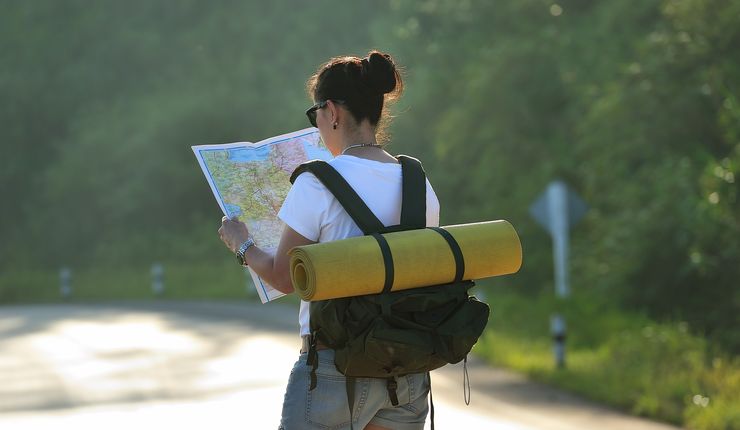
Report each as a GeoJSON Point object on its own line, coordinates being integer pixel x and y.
{"type": "Point", "coordinates": [276, 267]}
{"type": "Point", "coordinates": [273, 268]}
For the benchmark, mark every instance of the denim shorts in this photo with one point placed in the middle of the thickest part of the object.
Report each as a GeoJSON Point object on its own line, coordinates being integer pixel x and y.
{"type": "Point", "coordinates": [325, 407]}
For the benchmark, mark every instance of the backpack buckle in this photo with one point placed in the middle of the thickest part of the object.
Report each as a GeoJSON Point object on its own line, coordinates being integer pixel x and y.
{"type": "Point", "coordinates": [312, 360]}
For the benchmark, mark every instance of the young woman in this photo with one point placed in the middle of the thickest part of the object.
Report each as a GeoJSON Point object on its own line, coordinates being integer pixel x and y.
{"type": "Point", "coordinates": [349, 95]}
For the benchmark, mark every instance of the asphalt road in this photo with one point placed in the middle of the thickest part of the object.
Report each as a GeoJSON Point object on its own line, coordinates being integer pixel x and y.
{"type": "Point", "coordinates": [188, 365]}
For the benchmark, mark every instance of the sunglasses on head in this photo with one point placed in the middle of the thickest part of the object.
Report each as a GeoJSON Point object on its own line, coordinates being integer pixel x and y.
{"type": "Point", "coordinates": [311, 112]}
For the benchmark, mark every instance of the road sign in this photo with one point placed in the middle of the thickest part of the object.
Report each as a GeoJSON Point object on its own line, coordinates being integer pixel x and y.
{"type": "Point", "coordinates": [557, 209]}
{"type": "Point", "coordinates": [541, 208]}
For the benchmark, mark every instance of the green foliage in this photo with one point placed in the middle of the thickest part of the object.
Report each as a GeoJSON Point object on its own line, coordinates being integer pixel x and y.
{"type": "Point", "coordinates": [624, 359]}
{"type": "Point", "coordinates": [722, 411]}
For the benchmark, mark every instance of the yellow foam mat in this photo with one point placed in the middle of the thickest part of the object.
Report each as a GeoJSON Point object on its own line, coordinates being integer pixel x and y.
{"type": "Point", "coordinates": [354, 266]}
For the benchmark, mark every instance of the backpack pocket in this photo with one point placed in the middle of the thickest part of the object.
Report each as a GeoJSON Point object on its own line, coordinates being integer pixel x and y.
{"type": "Point", "coordinates": [458, 334]}
{"type": "Point", "coordinates": [388, 351]}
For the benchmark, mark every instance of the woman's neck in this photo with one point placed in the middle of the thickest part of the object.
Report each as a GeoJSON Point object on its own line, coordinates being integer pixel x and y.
{"type": "Point", "coordinates": [363, 134]}
{"type": "Point", "coordinates": [368, 151]}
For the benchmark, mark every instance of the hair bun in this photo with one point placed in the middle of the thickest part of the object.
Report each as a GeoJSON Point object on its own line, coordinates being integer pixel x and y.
{"type": "Point", "coordinates": [380, 72]}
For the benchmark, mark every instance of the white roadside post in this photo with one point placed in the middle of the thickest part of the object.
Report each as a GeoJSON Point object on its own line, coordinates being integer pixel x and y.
{"type": "Point", "coordinates": [65, 282]}
{"type": "Point", "coordinates": [157, 279]}
{"type": "Point", "coordinates": [558, 209]}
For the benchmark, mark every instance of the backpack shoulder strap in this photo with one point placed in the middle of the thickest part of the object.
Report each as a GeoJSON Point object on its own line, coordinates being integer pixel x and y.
{"type": "Point", "coordinates": [414, 203]}
{"type": "Point", "coordinates": [347, 197]}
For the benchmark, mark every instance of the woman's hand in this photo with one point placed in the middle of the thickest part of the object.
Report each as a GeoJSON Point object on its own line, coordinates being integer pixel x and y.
{"type": "Point", "coordinates": [233, 233]}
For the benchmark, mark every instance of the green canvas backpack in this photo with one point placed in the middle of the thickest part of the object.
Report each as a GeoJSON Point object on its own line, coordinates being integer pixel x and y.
{"type": "Point", "coordinates": [394, 333]}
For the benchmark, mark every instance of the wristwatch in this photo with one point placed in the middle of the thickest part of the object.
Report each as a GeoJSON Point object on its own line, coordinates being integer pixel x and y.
{"type": "Point", "coordinates": [243, 249]}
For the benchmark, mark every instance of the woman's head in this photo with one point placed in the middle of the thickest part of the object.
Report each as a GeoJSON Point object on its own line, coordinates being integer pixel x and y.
{"type": "Point", "coordinates": [362, 86]}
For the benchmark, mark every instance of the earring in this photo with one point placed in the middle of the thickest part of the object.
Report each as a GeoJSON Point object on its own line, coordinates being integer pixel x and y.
{"type": "Point", "coordinates": [334, 126]}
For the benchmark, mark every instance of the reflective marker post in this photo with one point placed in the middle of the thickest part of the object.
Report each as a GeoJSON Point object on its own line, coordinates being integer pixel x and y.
{"type": "Point", "coordinates": [558, 209]}
{"type": "Point", "coordinates": [157, 279]}
{"type": "Point", "coordinates": [65, 282]}
{"type": "Point", "coordinates": [557, 328]}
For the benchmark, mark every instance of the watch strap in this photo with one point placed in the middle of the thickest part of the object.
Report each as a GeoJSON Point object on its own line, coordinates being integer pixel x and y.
{"type": "Point", "coordinates": [243, 249]}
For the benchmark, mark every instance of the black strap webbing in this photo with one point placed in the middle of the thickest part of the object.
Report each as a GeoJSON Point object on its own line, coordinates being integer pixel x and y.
{"type": "Point", "coordinates": [312, 360]}
{"type": "Point", "coordinates": [349, 384]}
{"type": "Point", "coordinates": [414, 204]}
{"type": "Point", "coordinates": [385, 249]}
{"type": "Point", "coordinates": [347, 197]}
{"type": "Point", "coordinates": [456, 252]}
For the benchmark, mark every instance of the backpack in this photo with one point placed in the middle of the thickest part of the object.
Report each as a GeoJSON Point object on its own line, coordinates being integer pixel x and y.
{"type": "Point", "coordinates": [393, 333]}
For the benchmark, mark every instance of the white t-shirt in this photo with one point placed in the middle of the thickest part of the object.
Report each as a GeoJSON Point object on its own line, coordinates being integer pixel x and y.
{"type": "Point", "coordinates": [312, 210]}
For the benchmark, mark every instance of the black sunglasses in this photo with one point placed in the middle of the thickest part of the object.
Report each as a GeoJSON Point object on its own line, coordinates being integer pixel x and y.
{"type": "Point", "coordinates": [311, 112]}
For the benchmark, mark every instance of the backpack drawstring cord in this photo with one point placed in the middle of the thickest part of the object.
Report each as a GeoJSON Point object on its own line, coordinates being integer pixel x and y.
{"type": "Point", "coordinates": [431, 399]}
{"type": "Point", "coordinates": [466, 382]}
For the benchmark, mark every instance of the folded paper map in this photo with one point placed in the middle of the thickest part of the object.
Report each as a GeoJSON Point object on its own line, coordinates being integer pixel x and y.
{"type": "Point", "coordinates": [251, 180]}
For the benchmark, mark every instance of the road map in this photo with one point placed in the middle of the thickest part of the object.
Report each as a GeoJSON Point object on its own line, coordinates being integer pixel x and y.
{"type": "Point", "coordinates": [251, 180]}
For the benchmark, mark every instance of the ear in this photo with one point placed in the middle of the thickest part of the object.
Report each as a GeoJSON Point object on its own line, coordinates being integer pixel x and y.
{"type": "Point", "coordinates": [333, 110]}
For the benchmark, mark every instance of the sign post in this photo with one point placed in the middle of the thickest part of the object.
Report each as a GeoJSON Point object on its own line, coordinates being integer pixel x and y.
{"type": "Point", "coordinates": [558, 209]}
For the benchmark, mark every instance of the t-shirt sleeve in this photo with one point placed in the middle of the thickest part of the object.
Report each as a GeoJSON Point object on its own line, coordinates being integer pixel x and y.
{"type": "Point", "coordinates": [305, 208]}
{"type": "Point", "coordinates": [432, 206]}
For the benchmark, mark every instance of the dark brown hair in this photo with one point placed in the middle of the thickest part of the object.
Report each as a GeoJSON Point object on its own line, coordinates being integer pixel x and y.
{"type": "Point", "coordinates": [364, 84]}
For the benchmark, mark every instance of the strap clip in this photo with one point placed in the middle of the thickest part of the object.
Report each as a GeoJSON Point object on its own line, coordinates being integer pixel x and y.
{"type": "Point", "coordinates": [392, 385]}
{"type": "Point", "coordinates": [312, 360]}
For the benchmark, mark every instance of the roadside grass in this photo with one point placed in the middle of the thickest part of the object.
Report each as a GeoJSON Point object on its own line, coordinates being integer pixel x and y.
{"type": "Point", "coordinates": [657, 370]}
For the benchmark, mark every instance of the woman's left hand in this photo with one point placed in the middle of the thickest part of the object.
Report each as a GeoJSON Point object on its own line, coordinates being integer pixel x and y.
{"type": "Point", "coordinates": [233, 233]}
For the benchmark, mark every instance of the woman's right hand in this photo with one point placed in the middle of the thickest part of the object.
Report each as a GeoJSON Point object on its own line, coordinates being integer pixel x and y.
{"type": "Point", "coordinates": [233, 233]}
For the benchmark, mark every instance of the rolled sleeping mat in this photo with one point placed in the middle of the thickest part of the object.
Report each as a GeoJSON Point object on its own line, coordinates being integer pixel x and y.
{"type": "Point", "coordinates": [420, 258]}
